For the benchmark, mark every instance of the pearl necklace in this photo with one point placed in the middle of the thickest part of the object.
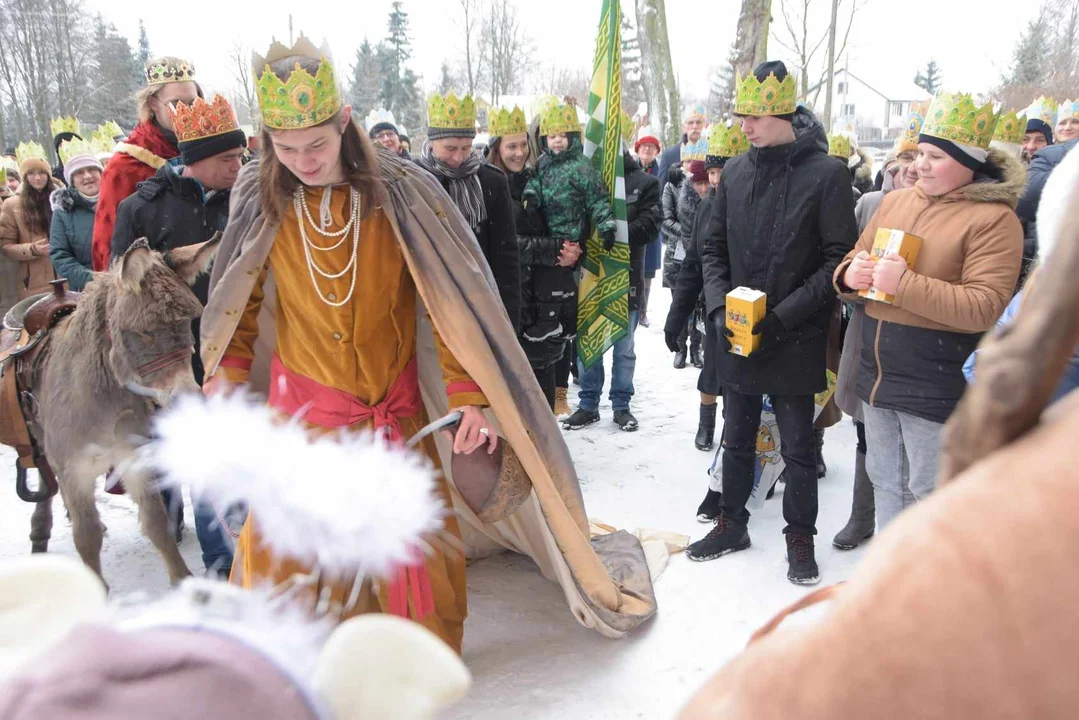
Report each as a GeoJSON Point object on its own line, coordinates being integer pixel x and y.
{"type": "Point", "coordinates": [353, 224]}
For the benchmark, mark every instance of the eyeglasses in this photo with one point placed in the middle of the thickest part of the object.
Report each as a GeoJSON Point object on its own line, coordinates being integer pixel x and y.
{"type": "Point", "coordinates": [385, 134]}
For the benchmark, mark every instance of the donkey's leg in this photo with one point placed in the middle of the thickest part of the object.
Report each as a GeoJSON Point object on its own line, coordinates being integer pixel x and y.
{"type": "Point", "coordinates": [77, 491]}
{"type": "Point", "coordinates": [41, 527]}
{"type": "Point", "coordinates": [155, 523]}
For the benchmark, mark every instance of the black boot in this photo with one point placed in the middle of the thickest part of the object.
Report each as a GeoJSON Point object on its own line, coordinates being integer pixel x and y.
{"type": "Point", "coordinates": [726, 537]}
{"type": "Point", "coordinates": [696, 349]}
{"type": "Point", "coordinates": [710, 507]}
{"type": "Point", "coordinates": [680, 359]}
{"type": "Point", "coordinates": [863, 513]}
{"type": "Point", "coordinates": [818, 445]}
{"type": "Point", "coordinates": [801, 563]}
{"type": "Point", "coordinates": [580, 419]}
{"type": "Point", "coordinates": [706, 430]}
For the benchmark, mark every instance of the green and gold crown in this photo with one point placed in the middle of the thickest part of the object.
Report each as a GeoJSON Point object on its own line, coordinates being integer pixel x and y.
{"type": "Point", "coordinates": [1044, 109]}
{"type": "Point", "coordinates": [1069, 109]}
{"type": "Point", "coordinates": [957, 118]}
{"type": "Point", "coordinates": [770, 97]}
{"type": "Point", "coordinates": [65, 124]}
{"type": "Point", "coordinates": [303, 100]}
{"type": "Point", "coordinates": [839, 146]}
{"type": "Point", "coordinates": [1011, 127]}
{"type": "Point", "coordinates": [75, 148]}
{"type": "Point", "coordinates": [451, 112]}
{"type": "Point", "coordinates": [102, 146]}
{"type": "Point", "coordinates": [559, 118]}
{"type": "Point", "coordinates": [508, 122]}
{"type": "Point", "coordinates": [628, 128]}
{"type": "Point", "coordinates": [164, 70]}
{"type": "Point", "coordinates": [3, 179]}
{"type": "Point", "coordinates": [727, 142]}
{"type": "Point", "coordinates": [109, 130]}
{"type": "Point", "coordinates": [694, 151]}
{"type": "Point", "coordinates": [30, 150]}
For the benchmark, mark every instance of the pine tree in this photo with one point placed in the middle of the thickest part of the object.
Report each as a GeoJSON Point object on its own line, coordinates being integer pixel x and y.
{"type": "Point", "coordinates": [117, 76]}
{"type": "Point", "coordinates": [366, 86]}
{"type": "Point", "coordinates": [721, 90]}
{"type": "Point", "coordinates": [447, 81]}
{"type": "Point", "coordinates": [144, 45]}
{"type": "Point", "coordinates": [931, 79]}
{"type": "Point", "coordinates": [397, 51]}
{"type": "Point", "coordinates": [1030, 62]}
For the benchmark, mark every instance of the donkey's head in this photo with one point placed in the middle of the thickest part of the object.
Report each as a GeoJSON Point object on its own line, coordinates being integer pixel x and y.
{"type": "Point", "coordinates": [149, 317]}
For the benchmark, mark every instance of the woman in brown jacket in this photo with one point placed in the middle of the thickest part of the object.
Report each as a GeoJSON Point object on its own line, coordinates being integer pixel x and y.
{"type": "Point", "coordinates": [24, 224]}
{"type": "Point", "coordinates": [910, 376]}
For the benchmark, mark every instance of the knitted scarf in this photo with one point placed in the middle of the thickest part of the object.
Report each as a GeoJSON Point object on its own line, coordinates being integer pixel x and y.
{"type": "Point", "coordinates": [464, 184]}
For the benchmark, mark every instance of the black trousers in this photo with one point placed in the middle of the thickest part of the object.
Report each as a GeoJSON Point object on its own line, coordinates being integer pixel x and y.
{"type": "Point", "coordinates": [566, 365]}
{"type": "Point", "coordinates": [546, 378]}
{"type": "Point", "coordinates": [794, 416]}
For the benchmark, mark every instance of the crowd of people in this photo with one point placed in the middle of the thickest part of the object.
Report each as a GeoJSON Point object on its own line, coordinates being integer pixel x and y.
{"type": "Point", "coordinates": [764, 200]}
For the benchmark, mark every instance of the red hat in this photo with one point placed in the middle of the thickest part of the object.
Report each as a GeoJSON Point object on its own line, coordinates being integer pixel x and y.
{"type": "Point", "coordinates": [647, 140]}
{"type": "Point", "coordinates": [698, 172]}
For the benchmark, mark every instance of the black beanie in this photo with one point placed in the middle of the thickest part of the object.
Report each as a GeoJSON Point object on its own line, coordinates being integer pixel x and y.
{"type": "Point", "coordinates": [379, 127]}
{"type": "Point", "coordinates": [954, 151]}
{"type": "Point", "coordinates": [765, 69]}
{"type": "Point", "coordinates": [192, 151]}
{"type": "Point", "coordinates": [714, 161]}
{"type": "Point", "coordinates": [1038, 125]}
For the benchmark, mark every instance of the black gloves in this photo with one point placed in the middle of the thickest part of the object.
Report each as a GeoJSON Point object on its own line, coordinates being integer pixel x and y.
{"type": "Point", "coordinates": [771, 331]}
{"type": "Point", "coordinates": [672, 341]}
{"type": "Point", "coordinates": [719, 320]}
{"type": "Point", "coordinates": [608, 240]}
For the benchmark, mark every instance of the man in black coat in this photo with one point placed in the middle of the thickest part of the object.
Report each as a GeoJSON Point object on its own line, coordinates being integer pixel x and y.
{"type": "Point", "coordinates": [1041, 165]}
{"type": "Point", "coordinates": [782, 221]}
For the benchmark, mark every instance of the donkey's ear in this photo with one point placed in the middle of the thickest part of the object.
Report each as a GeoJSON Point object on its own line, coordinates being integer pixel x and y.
{"type": "Point", "coordinates": [134, 265]}
{"type": "Point", "coordinates": [192, 261]}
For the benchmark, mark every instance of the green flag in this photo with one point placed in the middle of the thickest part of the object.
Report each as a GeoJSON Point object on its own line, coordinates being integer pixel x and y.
{"type": "Point", "coordinates": [603, 311]}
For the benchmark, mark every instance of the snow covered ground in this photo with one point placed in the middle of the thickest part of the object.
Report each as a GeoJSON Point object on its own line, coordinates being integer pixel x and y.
{"type": "Point", "coordinates": [529, 657]}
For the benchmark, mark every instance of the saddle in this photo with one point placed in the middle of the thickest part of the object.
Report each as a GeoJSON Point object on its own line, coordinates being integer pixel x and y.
{"type": "Point", "coordinates": [23, 349]}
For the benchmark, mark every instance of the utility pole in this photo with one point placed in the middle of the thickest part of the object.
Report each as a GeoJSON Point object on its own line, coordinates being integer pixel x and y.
{"type": "Point", "coordinates": [290, 40]}
{"type": "Point", "coordinates": [831, 67]}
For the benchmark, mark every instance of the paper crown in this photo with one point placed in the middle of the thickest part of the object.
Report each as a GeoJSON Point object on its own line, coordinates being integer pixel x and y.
{"type": "Point", "coordinates": [201, 119]}
{"type": "Point", "coordinates": [65, 124]}
{"type": "Point", "coordinates": [1011, 127]}
{"type": "Point", "coordinates": [1068, 110]}
{"type": "Point", "coordinates": [451, 112]}
{"type": "Point", "coordinates": [559, 118]}
{"type": "Point", "coordinates": [727, 142]}
{"type": "Point", "coordinates": [505, 122]}
{"type": "Point", "coordinates": [839, 146]}
{"type": "Point", "coordinates": [695, 151]}
{"type": "Point", "coordinates": [303, 100]}
{"type": "Point", "coordinates": [75, 148]}
{"type": "Point", "coordinates": [770, 97]}
{"type": "Point", "coordinates": [694, 112]}
{"type": "Point", "coordinates": [378, 115]}
{"type": "Point", "coordinates": [30, 150]}
{"type": "Point", "coordinates": [163, 70]}
{"type": "Point", "coordinates": [915, 119]}
{"type": "Point", "coordinates": [628, 126]}
{"type": "Point", "coordinates": [955, 117]}
{"type": "Point", "coordinates": [3, 179]}
{"type": "Point", "coordinates": [1044, 109]}
{"type": "Point", "coordinates": [110, 130]}
{"type": "Point", "coordinates": [102, 146]}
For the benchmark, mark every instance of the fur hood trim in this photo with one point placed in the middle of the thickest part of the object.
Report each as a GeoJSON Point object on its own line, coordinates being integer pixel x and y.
{"type": "Point", "coordinates": [1002, 181]}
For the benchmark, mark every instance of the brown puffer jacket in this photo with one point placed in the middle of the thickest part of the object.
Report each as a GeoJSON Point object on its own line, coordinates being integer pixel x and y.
{"type": "Point", "coordinates": [35, 272]}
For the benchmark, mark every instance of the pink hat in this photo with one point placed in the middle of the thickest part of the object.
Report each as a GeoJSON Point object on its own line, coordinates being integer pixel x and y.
{"type": "Point", "coordinates": [79, 162]}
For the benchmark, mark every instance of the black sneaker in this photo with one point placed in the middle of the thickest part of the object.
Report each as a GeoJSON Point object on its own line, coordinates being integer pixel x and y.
{"type": "Point", "coordinates": [726, 537]}
{"type": "Point", "coordinates": [709, 509]}
{"type": "Point", "coordinates": [801, 563]}
{"type": "Point", "coordinates": [624, 419]}
{"type": "Point", "coordinates": [580, 419]}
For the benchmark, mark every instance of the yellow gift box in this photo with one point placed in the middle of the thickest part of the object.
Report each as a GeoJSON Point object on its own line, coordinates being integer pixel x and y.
{"type": "Point", "coordinates": [745, 308]}
{"type": "Point", "coordinates": [888, 241]}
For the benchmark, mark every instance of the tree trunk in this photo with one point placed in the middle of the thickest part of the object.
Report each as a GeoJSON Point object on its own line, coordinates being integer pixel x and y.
{"type": "Point", "coordinates": [751, 43]}
{"type": "Point", "coordinates": [657, 70]}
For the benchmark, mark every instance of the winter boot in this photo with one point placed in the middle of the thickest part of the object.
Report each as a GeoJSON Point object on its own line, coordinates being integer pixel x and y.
{"type": "Point", "coordinates": [726, 537]}
{"type": "Point", "coordinates": [801, 563]}
{"type": "Point", "coordinates": [710, 508]}
{"type": "Point", "coordinates": [581, 419]}
{"type": "Point", "coordinates": [680, 359]}
{"type": "Point", "coordinates": [706, 430]}
{"type": "Point", "coordinates": [561, 403]}
{"type": "Point", "coordinates": [863, 513]}
{"type": "Point", "coordinates": [696, 350]}
{"type": "Point", "coordinates": [818, 446]}
{"type": "Point", "coordinates": [624, 419]}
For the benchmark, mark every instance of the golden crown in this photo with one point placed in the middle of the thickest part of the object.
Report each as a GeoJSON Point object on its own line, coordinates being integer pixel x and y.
{"type": "Point", "coordinates": [694, 112]}
{"type": "Point", "coordinates": [451, 112]}
{"type": "Point", "coordinates": [508, 122]}
{"type": "Point", "coordinates": [202, 119]}
{"type": "Point", "coordinates": [727, 142]}
{"type": "Point", "coordinates": [1068, 110]}
{"type": "Point", "coordinates": [839, 146]}
{"type": "Point", "coordinates": [1044, 109]}
{"type": "Point", "coordinates": [628, 128]}
{"type": "Point", "coordinates": [65, 124]}
{"type": "Point", "coordinates": [559, 118]}
{"type": "Point", "coordinates": [303, 100]}
{"type": "Point", "coordinates": [771, 97]}
{"type": "Point", "coordinates": [1011, 127]}
{"type": "Point", "coordinates": [102, 146]}
{"type": "Point", "coordinates": [3, 178]}
{"type": "Point", "coordinates": [75, 148]}
{"type": "Point", "coordinates": [163, 70]}
{"type": "Point", "coordinates": [955, 117]}
{"type": "Point", "coordinates": [695, 151]}
{"type": "Point", "coordinates": [110, 130]}
{"type": "Point", "coordinates": [30, 150]}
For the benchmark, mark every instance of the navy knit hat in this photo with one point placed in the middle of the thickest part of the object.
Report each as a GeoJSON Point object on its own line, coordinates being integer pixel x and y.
{"type": "Point", "coordinates": [381, 127]}
{"type": "Point", "coordinates": [1039, 125]}
{"type": "Point", "coordinates": [192, 151]}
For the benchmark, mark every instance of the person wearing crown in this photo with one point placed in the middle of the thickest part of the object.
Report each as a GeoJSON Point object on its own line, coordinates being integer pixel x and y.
{"type": "Point", "coordinates": [382, 128]}
{"type": "Point", "coordinates": [72, 230]}
{"type": "Point", "coordinates": [479, 190]}
{"type": "Point", "coordinates": [782, 221]}
{"type": "Point", "coordinates": [694, 118]}
{"type": "Point", "coordinates": [1067, 121]}
{"type": "Point", "coordinates": [1041, 117]}
{"type": "Point", "coordinates": [910, 377]}
{"type": "Point", "coordinates": [63, 129]}
{"type": "Point", "coordinates": [146, 150]}
{"type": "Point", "coordinates": [25, 220]}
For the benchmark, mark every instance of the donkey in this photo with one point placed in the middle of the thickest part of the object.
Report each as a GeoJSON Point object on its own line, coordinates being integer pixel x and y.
{"type": "Point", "coordinates": [125, 350]}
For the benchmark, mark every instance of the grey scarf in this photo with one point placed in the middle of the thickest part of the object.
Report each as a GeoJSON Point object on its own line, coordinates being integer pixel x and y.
{"type": "Point", "coordinates": [464, 184]}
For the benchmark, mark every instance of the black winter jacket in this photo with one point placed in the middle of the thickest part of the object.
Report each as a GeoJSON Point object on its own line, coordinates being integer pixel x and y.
{"type": "Point", "coordinates": [498, 239]}
{"type": "Point", "coordinates": [690, 284]}
{"type": "Point", "coordinates": [1043, 164]}
{"type": "Point", "coordinates": [782, 221]}
{"type": "Point", "coordinates": [644, 215]}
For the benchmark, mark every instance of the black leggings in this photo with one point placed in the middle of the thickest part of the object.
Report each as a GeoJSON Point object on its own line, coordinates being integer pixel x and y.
{"type": "Point", "coordinates": [546, 378]}
{"type": "Point", "coordinates": [860, 428]}
{"type": "Point", "coordinates": [566, 365]}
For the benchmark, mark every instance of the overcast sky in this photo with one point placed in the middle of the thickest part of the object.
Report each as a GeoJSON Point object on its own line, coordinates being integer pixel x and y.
{"type": "Point", "coordinates": [889, 42]}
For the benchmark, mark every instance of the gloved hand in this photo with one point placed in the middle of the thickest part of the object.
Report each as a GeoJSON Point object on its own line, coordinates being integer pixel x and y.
{"type": "Point", "coordinates": [671, 339]}
{"type": "Point", "coordinates": [608, 240]}
{"type": "Point", "coordinates": [770, 329]}
{"type": "Point", "coordinates": [724, 333]}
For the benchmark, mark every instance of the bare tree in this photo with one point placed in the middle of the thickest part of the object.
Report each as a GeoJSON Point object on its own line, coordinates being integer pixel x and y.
{"type": "Point", "coordinates": [246, 97]}
{"type": "Point", "coordinates": [506, 49]}
{"type": "Point", "coordinates": [658, 71]}
{"type": "Point", "coordinates": [562, 81]}
{"type": "Point", "coordinates": [470, 23]}
{"type": "Point", "coordinates": [751, 38]}
{"type": "Point", "coordinates": [804, 39]}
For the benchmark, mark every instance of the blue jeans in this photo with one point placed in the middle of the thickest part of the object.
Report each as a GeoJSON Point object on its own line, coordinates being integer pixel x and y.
{"type": "Point", "coordinates": [215, 540]}
{"type": "Point", "coordinates": [622, 365]}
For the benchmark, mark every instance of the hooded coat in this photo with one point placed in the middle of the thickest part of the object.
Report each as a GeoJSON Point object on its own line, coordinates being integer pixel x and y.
{"type": "Point", "coordinates": [34, 272]}
{"type": "Point", "coordinates": [71, 237]}
{"type": "Point", "coordinates": [972, 247]}
{"type": "Point", "coordinates": [678, 217]}
{"type": "Point", "coordinates": [782, 221]}
{"type": "Point", "coordinates": [570, 193]}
